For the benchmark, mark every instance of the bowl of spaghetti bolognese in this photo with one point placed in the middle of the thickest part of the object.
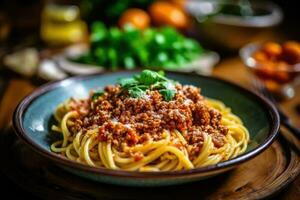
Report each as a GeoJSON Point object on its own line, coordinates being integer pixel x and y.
{"type": "Point", "coordinates": [146, 128]}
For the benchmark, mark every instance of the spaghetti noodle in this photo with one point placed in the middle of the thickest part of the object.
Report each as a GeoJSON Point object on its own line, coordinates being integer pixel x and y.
{"type": "Point", "coordinates": [117, 131]}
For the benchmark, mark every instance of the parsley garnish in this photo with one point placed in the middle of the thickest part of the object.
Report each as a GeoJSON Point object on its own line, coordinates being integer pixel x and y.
{"type": "Point", "coordinates": [147, 79]}
{"type": "Point", "coordinates": [128, 82]}
{"type": "Point", "coordinates": [96, 95]}
{"type": "Point", "coordinates": [136, 92]}
{"type": "Point", "coordinates": [167, 94]}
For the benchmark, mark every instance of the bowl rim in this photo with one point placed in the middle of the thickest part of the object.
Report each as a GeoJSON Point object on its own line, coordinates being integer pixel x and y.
{"type": "Point", "coordinates": [247, 51]}
{"type": "Point", "coordinates": [25, 103]}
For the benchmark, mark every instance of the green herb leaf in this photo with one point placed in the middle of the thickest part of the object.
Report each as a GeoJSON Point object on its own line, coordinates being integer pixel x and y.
{"type": "Point", "coordinates": [136, 92]}
{"type": "Point", "coordinates": [98, 32]}
{"type": "Point", "coordinates": [96, 95]}
{"type": "Point", "coordinates": [149, 77]}
{"type": "Point", "coordinates": [129, 62]}
{"type": "Point", "coordinates": [167, 94]}
{"type": "Point", "coordinates": [127, 82]}
{"type": "Point", "coordinates": [143, 87]}
{"type": "Point", "coordinates": [160, 72]}
{"type": "Point", "coordinates": [167, 90]}
{"type": "Point", "coordinates": [168, 85]}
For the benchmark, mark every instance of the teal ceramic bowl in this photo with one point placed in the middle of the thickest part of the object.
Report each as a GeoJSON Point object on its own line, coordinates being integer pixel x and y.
{"type": "Point", "coordinates": [33, 118]}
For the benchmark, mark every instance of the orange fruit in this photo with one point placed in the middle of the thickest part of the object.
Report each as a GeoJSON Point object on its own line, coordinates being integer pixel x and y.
{"type": "Point", "coordinates": [135, 17]}
{"type": "Point", "coordinates": [272, 49]}
{"type": "Point", "coordinates": [291, 52]}
{"type": "Point", "coordinates": [180, 3]}
{"type": "Point", "coordinates": [165, 13]}
{"type": "Point", "coordinates": [260, 56]}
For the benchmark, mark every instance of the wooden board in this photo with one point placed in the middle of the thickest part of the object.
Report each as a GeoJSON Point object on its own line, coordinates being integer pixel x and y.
{"type": "Point", "coordinates": [258, 178]}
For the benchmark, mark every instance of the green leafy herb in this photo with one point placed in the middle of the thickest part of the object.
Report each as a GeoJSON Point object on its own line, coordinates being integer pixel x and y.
{"type": "Point", "coordinates": [166, 89]}
{"type": "Point", "coordinates": [153, 48]}
{"type": "Point", "coordinates": [127, 82]}
{"type": "Point", "coordinates": [136, 92]}
{"type": "Point", "coordinates": [149, 77]}
{"type": "Point", "coordinates": [96, 95]}
{"type": "Point", "coordinates": [167, 94]}
{"type": "Point", "coordinates": [147, 80]}
{"type": "Point", "coordinates": [162, 73]}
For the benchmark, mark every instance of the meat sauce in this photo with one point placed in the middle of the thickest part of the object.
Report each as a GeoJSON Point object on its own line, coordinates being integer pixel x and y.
{"type": "Point", "coordinates": [124, 120]}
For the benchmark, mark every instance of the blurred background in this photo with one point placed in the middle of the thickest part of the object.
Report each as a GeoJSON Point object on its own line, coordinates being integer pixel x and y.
{"type": "Point", "coordinates": [47, 40]}
{"type": "Point", "coordinates": [244, 41]}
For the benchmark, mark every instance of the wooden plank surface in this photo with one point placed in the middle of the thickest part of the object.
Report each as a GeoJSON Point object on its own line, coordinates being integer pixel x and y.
{"type": "Point", "coordinates": [16, 90]}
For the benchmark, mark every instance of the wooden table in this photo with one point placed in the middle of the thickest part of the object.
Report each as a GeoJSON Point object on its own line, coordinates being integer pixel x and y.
{"type": "Point", "coordinates": [231, 69]}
